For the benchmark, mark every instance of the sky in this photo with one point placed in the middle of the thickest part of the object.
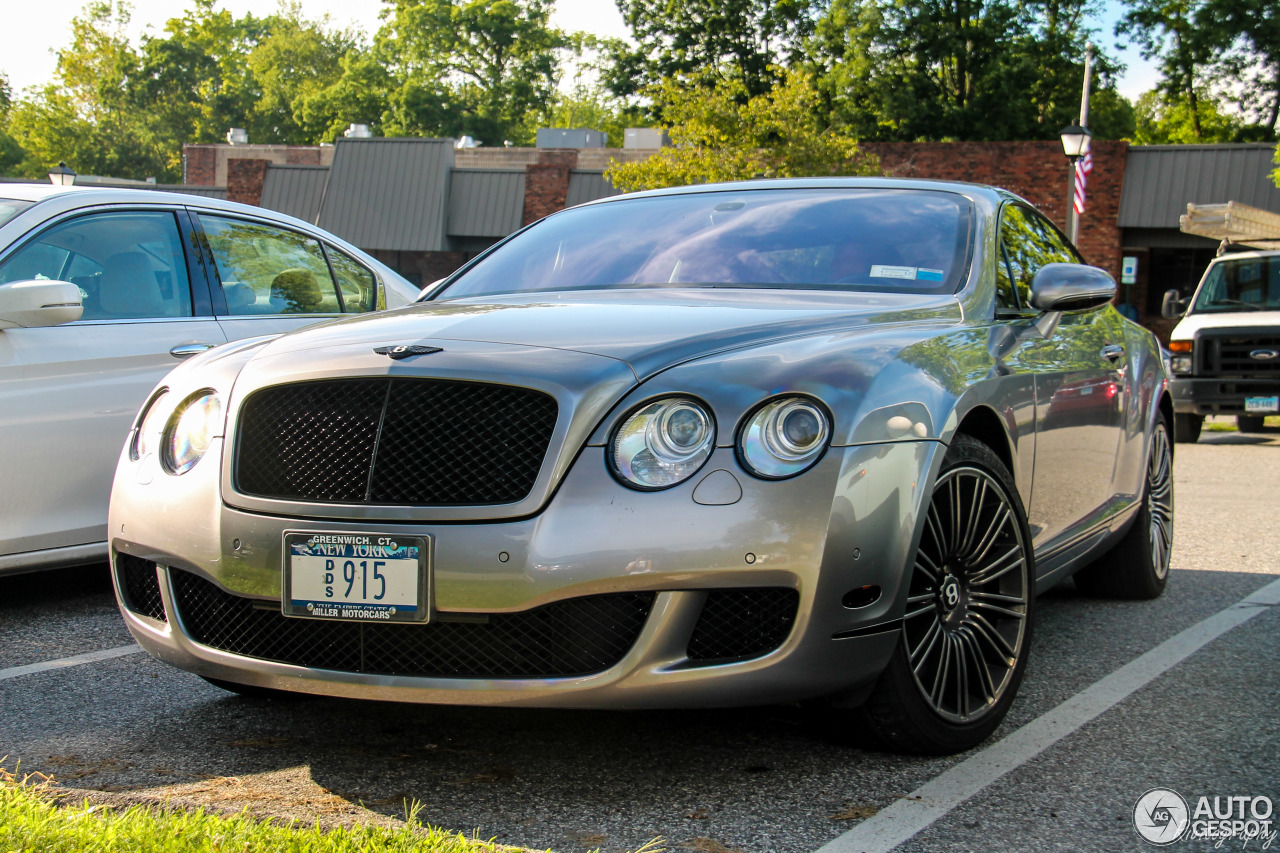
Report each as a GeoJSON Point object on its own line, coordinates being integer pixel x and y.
{"type": "Point", "coordinates": [33, 32]}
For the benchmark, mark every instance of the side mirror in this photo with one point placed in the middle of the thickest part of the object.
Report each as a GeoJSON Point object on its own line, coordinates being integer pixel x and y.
{"type": "Point", "coordinates": [1172, 307]}
{"type": "Point", "coordinates": [428, 290]}
{"type": "Point", "coordinates": [39, 302]}
{"type": "Point", "coordinates": [1071, 287]}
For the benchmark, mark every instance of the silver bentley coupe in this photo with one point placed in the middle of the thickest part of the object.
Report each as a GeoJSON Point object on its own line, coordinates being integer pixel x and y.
{"type": "Point", "coordinates": [814, 441]}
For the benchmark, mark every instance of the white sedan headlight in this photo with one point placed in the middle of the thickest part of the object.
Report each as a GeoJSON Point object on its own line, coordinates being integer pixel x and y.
{"type": "Point", "coordinates": [784, 437]}
{"type": "Point", "coordinates": [190, 430]}
{"type": "Point", "coordinates": [663, 443]}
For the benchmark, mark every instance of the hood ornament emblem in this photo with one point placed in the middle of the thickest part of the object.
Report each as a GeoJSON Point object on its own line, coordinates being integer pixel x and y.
{"type": "Point", "coordinates": [402, 351]}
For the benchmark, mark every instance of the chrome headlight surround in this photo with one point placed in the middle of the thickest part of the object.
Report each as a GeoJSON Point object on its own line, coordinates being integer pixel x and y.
{"type": "Point", "coordinates": [662, 443]}
{"type": "Point", "coordinates": [784, 437]}
{"type": "Point", "coordinates": [145, 438]}
{"type": "Point", "coordinates": [190, 430]}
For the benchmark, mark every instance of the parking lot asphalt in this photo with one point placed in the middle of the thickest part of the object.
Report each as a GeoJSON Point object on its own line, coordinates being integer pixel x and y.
{"type": "Point", "coordinates": [751, 780]}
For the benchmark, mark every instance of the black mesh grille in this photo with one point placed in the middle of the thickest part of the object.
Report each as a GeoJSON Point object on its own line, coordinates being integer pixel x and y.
{"type": "Point", "coordinates": [417, 442]}
{"type": "Point", "coordinates": [140, 586]}
{"type": "Point", "coordinates": [743, 623]}
{"type": "Point", "coordinates": [575, 637]}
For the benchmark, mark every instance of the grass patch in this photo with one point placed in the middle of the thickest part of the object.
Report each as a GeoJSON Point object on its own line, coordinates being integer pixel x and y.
{"type": "Point", "coordinates": [1227, 423]}
{"type": "Point", "coordinates": [33, 816]}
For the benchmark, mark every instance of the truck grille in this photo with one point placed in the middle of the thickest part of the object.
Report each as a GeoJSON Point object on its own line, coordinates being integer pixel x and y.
{"type": "Point", "coordinates": [393, 442]}
{"type": "Point", "coordinates": [1230, 355]}
{"type": "Point", "coordinates": [568, 638]}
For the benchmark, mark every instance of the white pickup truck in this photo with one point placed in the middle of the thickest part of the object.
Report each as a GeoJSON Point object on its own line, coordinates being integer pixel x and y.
{"type": "Point", "coordinates": [1226, 350]}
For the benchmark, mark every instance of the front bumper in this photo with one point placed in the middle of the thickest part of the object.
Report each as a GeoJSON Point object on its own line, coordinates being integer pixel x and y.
{"type": "Point", "coordinates": [843, 526]}
{"type": "Point", "coordinates": [1224, 396]}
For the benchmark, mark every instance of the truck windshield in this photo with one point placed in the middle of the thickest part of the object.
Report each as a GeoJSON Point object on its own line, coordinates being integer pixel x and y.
{"type": "Point", "coordinates": [1241, 284]}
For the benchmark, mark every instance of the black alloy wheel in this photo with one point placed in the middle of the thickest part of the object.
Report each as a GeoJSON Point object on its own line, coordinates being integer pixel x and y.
{"type": "Point", "coordinates": [967, 626]}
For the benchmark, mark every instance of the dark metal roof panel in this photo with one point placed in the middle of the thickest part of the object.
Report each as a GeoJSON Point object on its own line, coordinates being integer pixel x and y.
{"type": "Point", "coordinates": [486, 202]}
{"type": "Point", "coordinates": [585, 186]}
{"type": "Point", "coordinates": [295, 190]}
{"type": "Point", "coordinates": [1159, 181]}
{"type": "Point", "coordinates": [389, 193]}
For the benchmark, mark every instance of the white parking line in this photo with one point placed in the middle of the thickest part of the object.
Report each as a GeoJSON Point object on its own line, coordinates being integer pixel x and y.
{"type": "Point", "coordinates": [933, 800]}
{"type": "Point", "coordinates": [87, 657]}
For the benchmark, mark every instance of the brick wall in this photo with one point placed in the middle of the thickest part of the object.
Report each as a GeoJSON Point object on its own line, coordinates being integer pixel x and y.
{"type": "Point", "coordinates": [546, 183]}
{"type": "Point", "coordinates": [245, 179]}
{"type": "Point", "coordinates": [199, 166]}
{"type": "Point", "coordinates": [1037, 171]}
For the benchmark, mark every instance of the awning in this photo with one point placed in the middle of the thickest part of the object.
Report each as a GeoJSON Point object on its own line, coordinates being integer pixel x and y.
{"type": "Point", "coordinates": [1234, 223]}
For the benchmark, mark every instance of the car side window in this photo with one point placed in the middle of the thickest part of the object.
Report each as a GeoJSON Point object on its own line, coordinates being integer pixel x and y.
{"type": "Point", "coordinates": [268, 270]}
{"type": "Point", "coordinates": [127, 264]}
{"type": "Point", "coordinates": [1027, 243]}
{"type": "Point", "coordinates": [356, 283]}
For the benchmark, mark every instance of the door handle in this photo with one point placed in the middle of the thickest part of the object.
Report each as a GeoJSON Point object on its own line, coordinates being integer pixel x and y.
{"type": "Point", "coordinates": [1113, 352]}
{"type": "Point", "coordinates": [188, 350]}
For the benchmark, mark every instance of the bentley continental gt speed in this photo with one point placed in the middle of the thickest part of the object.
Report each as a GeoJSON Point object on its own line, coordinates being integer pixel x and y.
{"type": "Point", "coordinates": [814, 440]}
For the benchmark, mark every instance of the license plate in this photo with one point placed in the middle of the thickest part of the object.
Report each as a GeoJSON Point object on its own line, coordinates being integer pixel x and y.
{"type": "Point", "coordinates": [356, 577]}
{"type": "Point", "coordinates": [1262, 404]}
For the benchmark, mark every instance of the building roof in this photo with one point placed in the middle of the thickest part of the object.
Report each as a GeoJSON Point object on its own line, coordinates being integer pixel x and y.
{"type": "Point", "coordinates": [295, 190]}
{"type": "Point", "coordinates": [1160, 180]}
{"type": "Point", "coordinates": [486, 202]}
{"type": "Point", "coordinates": [585, 186]}
{"type": "Point", "coordinates": [389, 193]}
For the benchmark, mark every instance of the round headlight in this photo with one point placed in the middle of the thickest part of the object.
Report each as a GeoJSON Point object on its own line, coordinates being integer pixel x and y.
{"type": "Point", "coordinates": [146, 438]}
{"type": "Point", "coordinates": [663, 443]}
{"type": "Point", "coordinates": [190, 430]}
{"type": "Point", "coordinates": [784, 437]}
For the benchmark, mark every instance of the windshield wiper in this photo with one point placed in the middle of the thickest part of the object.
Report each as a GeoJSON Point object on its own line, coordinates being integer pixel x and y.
{"type": "Point", "coordinates": [1250, 305]}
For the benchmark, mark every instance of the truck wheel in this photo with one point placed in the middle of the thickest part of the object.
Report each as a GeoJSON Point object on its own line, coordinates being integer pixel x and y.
{"type": "Point", "coordinates": [1138, 566]}
{"type": "Point", "coordinates": [967, 628]}
{"type": "Point", "coordinates": [1186, 428]}
{"type": "Point", "coordinates": [1249, 423]}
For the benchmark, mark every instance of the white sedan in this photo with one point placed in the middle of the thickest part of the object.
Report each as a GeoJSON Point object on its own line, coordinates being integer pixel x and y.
{"type": "Point", "coordinates": [102, 292]}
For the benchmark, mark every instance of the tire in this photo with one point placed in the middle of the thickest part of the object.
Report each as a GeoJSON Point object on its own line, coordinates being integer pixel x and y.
{"type": "Point", "coordinates": [1137, 568]}
{"type": "Point", "coordinates": [250, 691]}
{"type": "Point", "coordinates": [1250, 423]}
{"type": "Point", "coordinates": [1186, 428]}
{"type": "Point", "coordinates": [970, 600]}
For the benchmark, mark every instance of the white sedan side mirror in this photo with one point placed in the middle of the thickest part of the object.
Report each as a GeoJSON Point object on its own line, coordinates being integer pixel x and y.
{"type": "Point", "coordinates": [39, 302]}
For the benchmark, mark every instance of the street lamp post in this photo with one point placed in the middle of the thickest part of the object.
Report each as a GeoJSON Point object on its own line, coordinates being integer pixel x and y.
{"type": "Point", "coordinates": [1075, 144]}
{"type": "Point", "coordinates": [61, 175]}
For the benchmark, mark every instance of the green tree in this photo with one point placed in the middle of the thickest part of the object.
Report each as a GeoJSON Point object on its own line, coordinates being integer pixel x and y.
{"type": "Point", "coordinates": [474, 67]}
{"type": "Point", "coordinates": [711, 39]}
{"type": "Point", "coordinates": [959, 69]}
{"type": "Point", "coordinates": [1167, 31]}
{"type": "Point", "coordinates": [292, 64]}
{"type": "Point", "coordinates": [88, 116]}
{"type": "Point", "coordinates": [1163, 119]}
{"type": "Point", "coordinates": [1248, 34]}
{"type": "Point", "coordinates": [11, 153]}
{"type": "Point", "coordinates": [720, 133]}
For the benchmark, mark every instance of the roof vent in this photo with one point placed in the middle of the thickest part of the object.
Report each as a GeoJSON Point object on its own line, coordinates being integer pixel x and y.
{"type": "Point", "coordinates": [467, 142]}
{"type": "Point", "coordinates": [357, 131]}
{"type": "Point", "coordinates": [238, 136]}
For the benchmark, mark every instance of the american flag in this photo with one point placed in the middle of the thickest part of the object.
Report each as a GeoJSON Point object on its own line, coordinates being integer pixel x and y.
{"type": "Point", "coordinates": [1083, 167]}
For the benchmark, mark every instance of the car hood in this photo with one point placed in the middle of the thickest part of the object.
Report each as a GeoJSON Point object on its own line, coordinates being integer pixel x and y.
{"type": "Point", "coordinates": [649, 330]}
{"type": "Point", "coordinates": [1192, 323]}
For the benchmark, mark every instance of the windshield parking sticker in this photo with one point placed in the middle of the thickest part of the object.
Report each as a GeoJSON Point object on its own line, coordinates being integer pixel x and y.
{"type": "Point", "coordinates": [886, 271]}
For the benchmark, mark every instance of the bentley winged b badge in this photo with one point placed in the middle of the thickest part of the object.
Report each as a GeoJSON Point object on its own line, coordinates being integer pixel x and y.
{"type": "Point", "coordinates": [401, 351]}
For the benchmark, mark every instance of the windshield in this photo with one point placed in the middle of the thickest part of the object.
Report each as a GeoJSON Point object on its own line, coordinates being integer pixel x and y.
{"type": "Point", "coordinates": [1242, 284]}
{"type": "Point", "coordinates": [906, 241]}
{"type": "Point", "coordinates": [11, 207]}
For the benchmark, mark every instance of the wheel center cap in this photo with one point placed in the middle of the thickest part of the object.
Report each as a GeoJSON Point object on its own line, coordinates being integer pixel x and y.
{"type": "Point", "coordinates": [949, 593]}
